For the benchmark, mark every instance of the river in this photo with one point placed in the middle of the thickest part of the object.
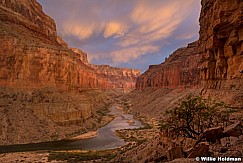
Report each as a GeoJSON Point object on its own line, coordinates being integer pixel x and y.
{"type": "Point", "coordinates": [105, 138]}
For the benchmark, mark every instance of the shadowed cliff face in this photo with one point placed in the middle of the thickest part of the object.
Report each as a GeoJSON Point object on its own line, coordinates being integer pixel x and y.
{"type": "Point", "coordinates": [219, 76]}
{"type": "Point", "coordinates": [220, 42]}
{"type": "Point", "coordinates": [221, 36]}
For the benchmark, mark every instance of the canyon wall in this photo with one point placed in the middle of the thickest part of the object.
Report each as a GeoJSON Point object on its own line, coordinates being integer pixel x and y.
{"type": "Point", "coordinates": [220, 43]}
{"type": "Point", "coordinates": [211, 66]}
{"type": "Point", "coordinates": [33, 55]}
{"type": "Point", "coordinates": [30, 116]}
{"type": "Point", "coordinates": [180, 70]}
{"type": "Point", "coordinates": [220, 74]}
{"type": "Point", "coordinates": [163, 85]}
{"type": "Point", "coordinates": [49, 91]}
{"type": "Point", "coordinates": [214, 63]}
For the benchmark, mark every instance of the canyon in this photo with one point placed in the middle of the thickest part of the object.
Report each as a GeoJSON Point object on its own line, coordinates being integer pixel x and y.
{"type": "Point", "coordinates": [211, 66]}
{"type": "Point", "coordinates": [46, 86]}
{"type": "Point", "coordinates": [33, 55]}
{"type": "Point", "coordinates": [49, 91]}
{"type": "Point", "coordinates": [180, 70]}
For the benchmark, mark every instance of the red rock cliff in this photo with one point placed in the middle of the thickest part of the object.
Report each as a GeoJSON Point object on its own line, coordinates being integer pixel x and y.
{"type": "Point", "coordinates": [32, 11]}
{"type": "Point", "coordinates": [219, 55]}
{"type": "Point", "coordinates": [33, 56]}
{"type": "Point", "coordinates": [48, 91]}
{"type": "Point", "coordinates": [180, 70]}
{"type": "Point", "coordinates": [220, 42]}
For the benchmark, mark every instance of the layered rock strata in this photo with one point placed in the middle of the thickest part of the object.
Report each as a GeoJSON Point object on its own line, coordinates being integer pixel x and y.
{"type": "Point", "coordinates": [49, 114]}
{"type": "Point", "coordinates": [33, 56]}
{"type": "Point", "coordinates": [220, 43]}
{"type": "Point", "coordinates": [180, 70]}
{"type": "Point", "coordinates": [220, 51]}
{"type": "Point", "coordinates": [214, 64]}
{"type": "Point", "coordinates": [47, 90]}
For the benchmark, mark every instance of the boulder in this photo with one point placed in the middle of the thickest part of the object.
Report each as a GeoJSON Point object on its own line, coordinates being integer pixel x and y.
{"type": "Point", "coordinates": [223, 150]}
{"type": "Point", "coordinates": [202, 149]}
{"type": "Point", "coordinates": [234, 130]}
{"type": "Point", "coordinates": [175, 152]}
{"type": "Point", "coordinates": [213, 134]}
{"type": "Point", "coordinates": [228, 141]}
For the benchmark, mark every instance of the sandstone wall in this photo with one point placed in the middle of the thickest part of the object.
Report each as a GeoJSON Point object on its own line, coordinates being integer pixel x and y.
{"type": "Point", "coordinates": [116, 77]}
{"type": "Point", "coordinates": [34, 58]}
{"type": "Point", "coordinates": [180, 70]}
{"type": "Point", "coordinates": [48, 114]}
{"type": "Point", "coordinates": [220, 42]}
{"type": "Point", "coordinates": [48, 91]}
{"type": "Point", "coordinates": [215, 64]}
{"type": "Point", "coordinates": [32, 11]}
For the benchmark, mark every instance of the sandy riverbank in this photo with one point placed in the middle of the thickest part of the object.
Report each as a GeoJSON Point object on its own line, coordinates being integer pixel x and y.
{"type": "Point", "coordinates": [87, 135]}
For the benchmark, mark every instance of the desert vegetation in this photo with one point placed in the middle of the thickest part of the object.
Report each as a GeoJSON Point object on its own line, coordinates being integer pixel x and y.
{"type": "Point", "coordinates": [200, 127]}
{"type": "Point", "coordinates": [193, 116]}
{"type": "Point", "coordinates": [77, 156]}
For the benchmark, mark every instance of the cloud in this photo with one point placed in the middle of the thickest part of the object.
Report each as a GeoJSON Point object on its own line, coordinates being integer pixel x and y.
{"type": "Point", "coordinates": [156, 20]}
{"type": "Point", "coordinates": [114, 29]}
{"type": "Point", "coordinates": [77, 29]}
{"type": "Point", "coordinates": [117, 32]}
{"type": "Point", "coordinates": [129, 54]}
{"type": "Point", "coordinates": [151, 16]}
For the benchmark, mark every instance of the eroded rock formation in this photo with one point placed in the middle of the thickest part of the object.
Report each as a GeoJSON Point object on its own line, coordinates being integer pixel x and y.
{"type": "Point", "coordinates": [180, 70]}
{"type": "Point", "coordinates": [220, 42]}
{"type": "Point", "coordinates": [214, 63]}
{"type": "Point", "coordinates": [33, 55]}
{"type": "Point", "coordinates": [219, 76]}
{"type": "Point", "coordinates": [48, 91]}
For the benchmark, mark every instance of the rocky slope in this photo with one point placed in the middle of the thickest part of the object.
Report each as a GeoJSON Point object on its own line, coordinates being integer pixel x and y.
{"type": "Point", "coordinates": [48, 91]}
{"type": "Point", "coordinates": [50, 114]}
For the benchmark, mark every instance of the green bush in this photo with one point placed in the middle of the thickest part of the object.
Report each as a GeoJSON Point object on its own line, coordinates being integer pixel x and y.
{"type": "Point", "coordinates": [193, 115]}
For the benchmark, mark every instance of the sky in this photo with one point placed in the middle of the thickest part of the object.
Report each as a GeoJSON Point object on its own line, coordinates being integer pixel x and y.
{"type": "Point", "coordinates": [126, 33]}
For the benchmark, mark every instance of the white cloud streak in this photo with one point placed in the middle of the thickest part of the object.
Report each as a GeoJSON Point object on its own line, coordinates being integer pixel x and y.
{"type": "Point", "coordinates": [134, 26]}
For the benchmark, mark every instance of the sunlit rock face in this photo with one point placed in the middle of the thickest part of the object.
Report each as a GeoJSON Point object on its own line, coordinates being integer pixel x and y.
{"type": "Point", "coordinates": [220, 42]}
{"type": "Point", "coordinates": [214, 63]}
{"type": "Point", "coordinates": [180, 70]}
{"type": "Point", "coordinates": [33, 55]}
{"type": "Point", "coordinates": [47, 90]}
{"type": "Point", "coordinates": [32, 11]}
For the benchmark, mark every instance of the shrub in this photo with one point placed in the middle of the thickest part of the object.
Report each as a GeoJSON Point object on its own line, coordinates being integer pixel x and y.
{"type": "Point", "coordinates": [193, 115]}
